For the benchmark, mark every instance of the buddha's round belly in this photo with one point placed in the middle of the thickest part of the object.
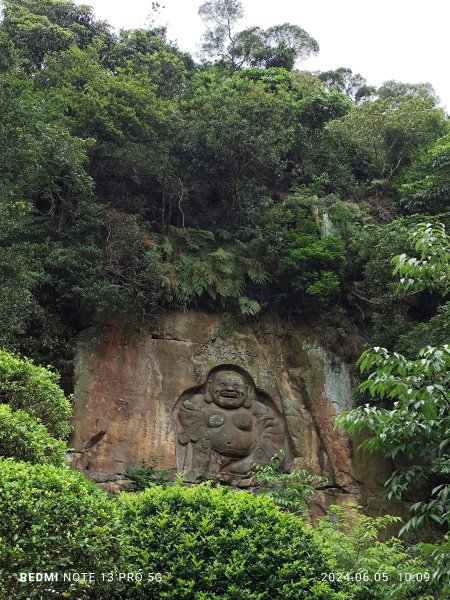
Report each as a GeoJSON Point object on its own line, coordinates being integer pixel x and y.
{"type": "Point", "coordinates": [231, 441]}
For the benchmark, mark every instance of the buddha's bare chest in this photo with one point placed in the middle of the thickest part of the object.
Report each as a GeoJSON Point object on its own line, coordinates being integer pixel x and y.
{"type": "Point", "coordinates": [230, 432]}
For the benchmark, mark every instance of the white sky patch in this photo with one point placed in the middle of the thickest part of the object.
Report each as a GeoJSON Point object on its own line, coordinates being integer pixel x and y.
{"type": "Point", "coordinates": [405, 40]}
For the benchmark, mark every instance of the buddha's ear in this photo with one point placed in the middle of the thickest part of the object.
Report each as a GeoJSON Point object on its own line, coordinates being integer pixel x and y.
{"type": "Point", "coordinates": [249, 400]}
{"type": "Point", "coordinates": [208, 396]}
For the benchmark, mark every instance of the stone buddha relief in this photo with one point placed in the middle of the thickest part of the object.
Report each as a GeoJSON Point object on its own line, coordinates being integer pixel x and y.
{"type": "Point", "coordinates": [225, 426]}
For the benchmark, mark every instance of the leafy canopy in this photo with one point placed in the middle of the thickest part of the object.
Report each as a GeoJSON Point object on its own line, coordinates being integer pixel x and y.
{"type": "Point", "coordinates": [417, 423]}
{"type": "Point", "coordinates": [425, 184]}
{"type": "Point", "coordinates": [390, 129]}
{"type": "Point", "coordinates": [277, 46]}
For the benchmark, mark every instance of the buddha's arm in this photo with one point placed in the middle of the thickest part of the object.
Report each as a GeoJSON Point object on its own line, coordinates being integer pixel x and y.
{"type": "Point", "coordinates": [190, 422]}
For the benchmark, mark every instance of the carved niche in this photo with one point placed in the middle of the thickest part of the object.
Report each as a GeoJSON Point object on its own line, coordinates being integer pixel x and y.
{"type": "Point", "coordinates": [225, 426]}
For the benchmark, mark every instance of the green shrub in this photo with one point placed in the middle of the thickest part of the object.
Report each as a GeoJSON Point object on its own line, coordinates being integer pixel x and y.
{"type": "Point", "coordinates": [219, 543]}
{"type": "Point", "coordinates": [290, 490]}
{"type": "Point", "coordinates": [307, 268]}
{"type": "Point", "coordinates": [34, 389]}
{"type": "Point", "coordinates": [24, 438]}
{"type": "Point", "coordinates": [437, 557]}
{"type": "Point", "coordinates": [350, 540]}
{"type": "Point", "coordinates": [53, 520]}
{"type": "Point", "coordinates": [146, 475]}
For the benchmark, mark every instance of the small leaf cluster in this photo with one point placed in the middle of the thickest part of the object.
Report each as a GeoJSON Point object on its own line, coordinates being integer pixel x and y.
{"type": "Point", "coordinates": [432, 269]}
{"type": "Point", "coordinates": [145, 475]}
{"type": "Point", "coordinates": [290, 490]}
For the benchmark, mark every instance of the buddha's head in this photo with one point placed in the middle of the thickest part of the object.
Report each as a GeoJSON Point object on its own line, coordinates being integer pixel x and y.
{"type": "Point", "coordinates": [228, 389]}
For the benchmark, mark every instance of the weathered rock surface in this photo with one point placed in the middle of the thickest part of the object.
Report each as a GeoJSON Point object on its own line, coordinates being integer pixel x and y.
{"type": "Point", "coordinates": [130, 374]}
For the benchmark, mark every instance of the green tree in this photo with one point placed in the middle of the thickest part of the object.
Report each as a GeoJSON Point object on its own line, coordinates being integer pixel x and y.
{"type": "Point", "coordinates": [221, 16]}
{"type": "Point", "coordinates": [148, 52]}
{"type": "Point", "coordinates": [370, 283]}
{"type": "Point", "coordinates": [131, 266]}
{"type": "Point", "coordinates": [41, 27]}
{"type": "Point", "coordinates": [237, 137]}
{"type": "Point", "coordinates": [247, 135]}
{"type": "Point", "coordinates": [351, 540]}
{"type": "Point", "coordinates": [306, 266]}
{"type": "Point", "coordinates": [347, 82]}
{"type": "Point", "coordinates": [392, 89]}
{"type": "Point", "coordinates": [73, 125]}
{"type": "Point", "coordinates": [45, 191]}
{"type": "Point", "coordinates": [39, 161]}
{"type": "Point", "coordinates": [415, 419]}
{"type": "Point", "coordinates": [425, 185]}
{"type": "Point", "coordinates": [391, 129]}
{"type": "Point", "coordinates": [20, 271]}
{"type": "Point", "coordinates": [278, 46]}
{"type": "Point", "coordinates": [417, 425]}
{"type": "Point", "coordinates": [131, 126]}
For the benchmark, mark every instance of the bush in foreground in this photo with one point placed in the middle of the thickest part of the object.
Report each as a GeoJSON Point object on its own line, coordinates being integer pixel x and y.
{"type": "Point", "coordinates": [208, 543]}
{"type": "Point", "coordinates": [25, 438]}
{"type": "Point", "coordinates": [36, 390]}
{"type": "Point", "coordinates": [54, 520]}
{"type": "Point", "coordinates": [220, 544]}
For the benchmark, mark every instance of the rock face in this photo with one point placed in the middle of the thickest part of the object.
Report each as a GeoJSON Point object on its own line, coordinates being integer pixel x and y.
{"type": "Point", "coordinates": [133, 378]}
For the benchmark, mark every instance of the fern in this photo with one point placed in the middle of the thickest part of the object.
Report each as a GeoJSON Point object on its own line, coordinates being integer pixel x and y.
{"type": "Point", "coordinates": [197, 267]}
{"type": "Point", "coordinates": [257, 274]}
{"type": "Point", "coordinates": [222, 254]}
{"type": "Point", "coordinates": [248, 306]}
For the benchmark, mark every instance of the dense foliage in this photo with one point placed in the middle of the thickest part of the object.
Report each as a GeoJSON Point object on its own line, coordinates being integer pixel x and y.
{"type": "Point", "coordinates": [194, 542]}
{"type": "Point", "coordinates": [290, 490]}
{"type": "Point", "coordinates": [25, 438]}
{"type": "Point", "coordinates": [411, 417]}
{"type": "Point", "coordinates": [53, 520]}
{"type": "Point", "coordinates": [350, 540]}
{"type": "Point", "coordinates": [34, 389]}
{"type": "Point", "coordinates": [135, 179]}
{"type": "Point", "coordinates": [221, 543]}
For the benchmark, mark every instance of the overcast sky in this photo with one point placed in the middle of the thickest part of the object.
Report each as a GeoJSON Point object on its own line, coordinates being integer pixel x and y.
{"type": "Point", "coordinates": [406, 40]}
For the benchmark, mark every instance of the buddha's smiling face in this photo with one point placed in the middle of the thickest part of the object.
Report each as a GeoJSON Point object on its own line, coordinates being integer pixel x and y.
{"type": "Point", "coordinates": [228, 389]}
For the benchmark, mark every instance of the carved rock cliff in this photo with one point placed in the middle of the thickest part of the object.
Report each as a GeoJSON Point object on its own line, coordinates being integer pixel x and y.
{"type": "Point", "coordinates": [129, 375]}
